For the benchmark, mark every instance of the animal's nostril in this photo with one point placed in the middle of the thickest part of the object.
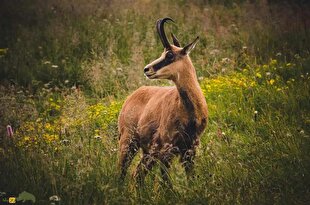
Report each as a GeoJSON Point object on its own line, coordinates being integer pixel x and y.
{"type": "Point", "coordinates": [146, 69]}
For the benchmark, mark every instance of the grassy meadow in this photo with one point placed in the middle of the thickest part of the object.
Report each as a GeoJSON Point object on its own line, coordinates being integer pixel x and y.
{"type": "Point", "coordinates": [66, 68]}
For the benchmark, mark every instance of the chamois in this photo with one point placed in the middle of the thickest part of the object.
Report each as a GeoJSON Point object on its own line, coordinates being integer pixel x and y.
{"type": "Point", "coordinates": [163, 121]}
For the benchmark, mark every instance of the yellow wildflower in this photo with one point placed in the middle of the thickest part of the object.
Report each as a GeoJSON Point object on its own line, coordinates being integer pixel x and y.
{"type": "Point", "coordinates": [48, 126]}
{"type": "Point", "coordinates": [258, 75]}
{"type": "Point", "coordinates": [26, 138]}
{"type": "Point", "coordinates": [273, 62]}
{"type": "Point", "coordinates": [271, 81]}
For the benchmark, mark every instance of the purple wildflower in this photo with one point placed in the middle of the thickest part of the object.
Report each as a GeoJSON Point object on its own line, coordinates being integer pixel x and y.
{"type": "Point", "coordinates": [9, 131]}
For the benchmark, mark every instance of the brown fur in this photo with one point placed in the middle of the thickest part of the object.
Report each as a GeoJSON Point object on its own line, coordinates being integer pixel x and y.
{"type": "Point", "coordinates": [163, 121]}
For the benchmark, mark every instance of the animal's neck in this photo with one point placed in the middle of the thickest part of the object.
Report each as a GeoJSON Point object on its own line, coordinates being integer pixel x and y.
{"type": "Point", "coordinates": [189, 90]}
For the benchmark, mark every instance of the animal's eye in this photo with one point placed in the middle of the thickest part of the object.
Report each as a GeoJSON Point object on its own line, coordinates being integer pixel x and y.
{"type": "Point", "coordinates": [169, 55]}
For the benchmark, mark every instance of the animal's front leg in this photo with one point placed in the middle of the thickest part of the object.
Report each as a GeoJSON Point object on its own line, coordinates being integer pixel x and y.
{"type": "Point", "coordinates": [187, 160]}
{"type": "Point", "coordinates": [166, 155]}
{"type": "Point", "coordinates": [164, 173]}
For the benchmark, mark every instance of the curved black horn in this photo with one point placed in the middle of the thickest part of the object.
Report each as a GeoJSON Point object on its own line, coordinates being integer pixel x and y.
{"type": "Point", "coordinates": [175, 40]}
{"type": "Point", "coordinates": [161, 31]}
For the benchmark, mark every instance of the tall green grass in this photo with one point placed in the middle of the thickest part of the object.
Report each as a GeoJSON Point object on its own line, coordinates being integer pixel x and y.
{"type": "Point", "coordinates": [254, 151]}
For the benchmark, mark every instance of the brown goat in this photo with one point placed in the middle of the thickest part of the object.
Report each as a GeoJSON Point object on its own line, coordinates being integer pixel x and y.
{"type": "Point", "coordinates": [163, 121]}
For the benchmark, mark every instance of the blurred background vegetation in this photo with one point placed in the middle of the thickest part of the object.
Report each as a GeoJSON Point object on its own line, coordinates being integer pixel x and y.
{"type": "Point", "coordinates": [67, 66]}
{"type": "Point", "coordinates": [99, 44]}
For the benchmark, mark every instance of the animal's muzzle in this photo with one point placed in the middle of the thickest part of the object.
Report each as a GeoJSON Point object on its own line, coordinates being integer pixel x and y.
{"type": "Point", "coordinates": [146, 69]}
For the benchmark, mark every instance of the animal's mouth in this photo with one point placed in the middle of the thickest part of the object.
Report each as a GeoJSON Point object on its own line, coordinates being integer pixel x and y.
{"type": "Point", "coordinates": [150, 75]}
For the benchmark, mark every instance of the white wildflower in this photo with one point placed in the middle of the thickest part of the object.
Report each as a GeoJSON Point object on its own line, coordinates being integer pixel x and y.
{"type": "Point", "coordinates": [54, 198]}
{"type": "Point", "coordinates": [97, 137]}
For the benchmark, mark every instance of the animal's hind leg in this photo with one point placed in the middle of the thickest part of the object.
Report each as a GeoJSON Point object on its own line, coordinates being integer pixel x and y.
{"type": "Point", "coordinates": [129, 147]}
{"type": "Point", "coordinates": [145, 165]}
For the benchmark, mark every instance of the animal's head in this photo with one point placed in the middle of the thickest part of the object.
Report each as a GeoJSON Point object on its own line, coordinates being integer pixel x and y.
{"type": "Point", "coordinates": [171, 62]}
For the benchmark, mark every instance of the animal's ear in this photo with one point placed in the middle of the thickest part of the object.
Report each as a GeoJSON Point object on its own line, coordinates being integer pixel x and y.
{"type": "Point", "coordinates": [175, 40]}
{"type": "Point", "coordinates": [188, 48]}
